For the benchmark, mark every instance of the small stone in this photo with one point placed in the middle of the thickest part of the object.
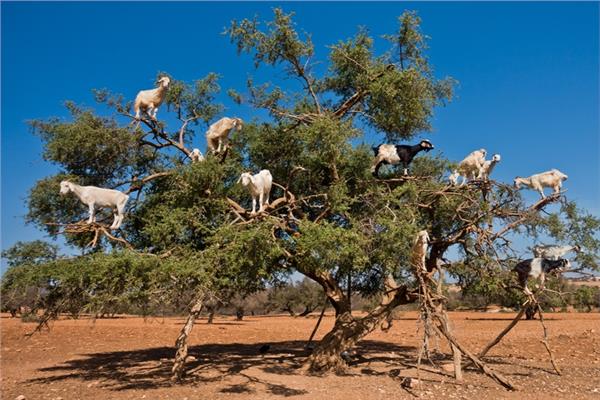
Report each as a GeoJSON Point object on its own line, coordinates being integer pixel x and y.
{"type": "Point", "coordinates": [191, 358]}
{"type": "Point", "coordinates": [448, 367]}
{"type": "Point", "coordinates": [20, 397]}
{"type": "Point", "coordinates": [410, 382]}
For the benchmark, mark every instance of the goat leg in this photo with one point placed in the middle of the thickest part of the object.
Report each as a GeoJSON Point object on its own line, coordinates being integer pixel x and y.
{"type": "Point", "coordinates": [92, 217]}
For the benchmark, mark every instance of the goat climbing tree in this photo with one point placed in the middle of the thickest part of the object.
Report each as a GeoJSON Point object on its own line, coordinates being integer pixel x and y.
{"type": "Point", "coordinates": [188, 235]}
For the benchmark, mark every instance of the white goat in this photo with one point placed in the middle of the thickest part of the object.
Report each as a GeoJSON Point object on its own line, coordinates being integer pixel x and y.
{"type": "Point", "coordinates": [552, 179]}
{"type": "Point", "coordinates": [487, 167]}
{"type": "Point", "coordinates": [217, 133]}
{"type": "Point", "coordinates": [259, 186]}
{"type": "Point", "coordinates": [469, 168]}
{"type": "Point", "coordinates": [419, 251]}
{"type": "Point", "coordinates": [553, 252]}
{"type": "Point", "coordinates": [196, 155]}
{"type": "Point", "coordinates": [149, 100]}
{"type": "Point", "coordinates": [94, 197]}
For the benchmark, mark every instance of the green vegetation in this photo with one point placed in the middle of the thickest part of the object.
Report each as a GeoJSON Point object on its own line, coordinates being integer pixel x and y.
{"type": "Point", "coordinates": [184, 234]}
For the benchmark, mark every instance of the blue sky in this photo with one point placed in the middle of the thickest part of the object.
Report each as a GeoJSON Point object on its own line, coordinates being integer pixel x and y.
{"type": "Point", "coordinates": [528, 75]}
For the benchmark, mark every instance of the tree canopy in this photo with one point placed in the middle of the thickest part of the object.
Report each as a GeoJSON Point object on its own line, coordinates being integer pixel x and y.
{"type": "Point", "coordinates": [187, 227]}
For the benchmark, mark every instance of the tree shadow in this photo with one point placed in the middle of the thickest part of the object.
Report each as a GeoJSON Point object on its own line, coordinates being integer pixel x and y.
{"type": "Point", "coordinates": [151, 368]}
{"type": "Point", "coordinates": [509, 318]}
{"type": "Point", "coordinates": [515, 362]}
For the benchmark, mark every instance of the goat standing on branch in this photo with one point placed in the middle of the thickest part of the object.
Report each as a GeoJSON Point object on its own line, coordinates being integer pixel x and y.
{"type": "Point", "coordinates": [419, 251]}
{"type": "Point", "coordinates": [552, 179]}
{"type": "Point", "coordinates": [487, 167]}
{"type": "Point", "coordinates": [395, 154]}
{"type": "Point", "coordinates": [470, 167]}
{"type": "Point", "coordinates": [553, 252]}
{"type": "Point", "coordinates": [538, 268]}
{"type": "Point", "coordinates": [196, 155]}
{"type": "Point", "coordinates": [217, 134]}
{"type": "Point", "coordinates": [148, 101]}
{"type": "Point", "coordinates": [259, 186]}
{"type": "Point", "coordinates": [94, 197]}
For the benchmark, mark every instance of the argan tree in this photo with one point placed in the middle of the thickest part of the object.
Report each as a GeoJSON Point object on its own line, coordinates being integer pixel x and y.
{"type": "Point", "coordinates": [188, 235]}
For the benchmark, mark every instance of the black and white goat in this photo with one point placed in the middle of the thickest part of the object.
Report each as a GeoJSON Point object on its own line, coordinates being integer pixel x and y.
{"type": "Point", "coordinates": [396, 154]}
{"type": "Point", "coordinates": [538, 268]}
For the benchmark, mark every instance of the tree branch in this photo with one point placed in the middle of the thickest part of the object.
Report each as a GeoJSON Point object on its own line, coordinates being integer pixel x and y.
{"type": "Point", "coordinates": [137, 184]}
{"type": "Point", "coordinates": [300, 71]}
{"type": "Point", "coordinates": [526, 214]}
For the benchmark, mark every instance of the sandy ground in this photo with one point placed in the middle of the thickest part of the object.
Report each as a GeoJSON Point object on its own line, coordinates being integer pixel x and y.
{"type": "Point", "coordinates": [130, 358]}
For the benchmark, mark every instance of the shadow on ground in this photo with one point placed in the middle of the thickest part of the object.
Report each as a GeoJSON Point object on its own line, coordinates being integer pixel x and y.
{"type": "Point", "coordinates": [151, 368]}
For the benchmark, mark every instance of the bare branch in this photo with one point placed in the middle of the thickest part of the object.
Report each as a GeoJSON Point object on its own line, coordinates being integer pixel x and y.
{"type": "Point", "coordinates": [137, 184]}
{"type": "Point", "coordinates": [301, 72]}
{"type": "Point", "coordinates": [536, 207]}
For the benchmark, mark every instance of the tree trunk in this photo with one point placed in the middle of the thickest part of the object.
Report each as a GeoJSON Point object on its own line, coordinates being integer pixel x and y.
{"type": "Point", "coordinates": [290, 311]}
{"type": "Point", "coordinates": [312, 335]}
{"type": "Point", "coordinates": [334, 293]}
{"type": "Point", "coordinates": [239, 314]}
{"type": "Point", "coordinates": [349, 291]}
{"type": "Point", "coordinates": [348, 330]}
{"type": "Point", "coordinates": [181, 342]}
{"type": "Point", "coordinates": [345, 333]}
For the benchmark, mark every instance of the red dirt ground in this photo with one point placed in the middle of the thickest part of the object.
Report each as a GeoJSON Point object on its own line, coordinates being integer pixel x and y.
{"type": "Point", "coordinates": [129, 358]}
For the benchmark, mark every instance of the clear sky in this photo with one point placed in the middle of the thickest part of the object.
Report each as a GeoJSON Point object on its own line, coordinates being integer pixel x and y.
{"type": "Point", "coordinates": [528, 75]}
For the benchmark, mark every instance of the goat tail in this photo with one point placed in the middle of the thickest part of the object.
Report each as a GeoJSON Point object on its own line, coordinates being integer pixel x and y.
{"type": "Point", "coordinates": [376, 149]}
